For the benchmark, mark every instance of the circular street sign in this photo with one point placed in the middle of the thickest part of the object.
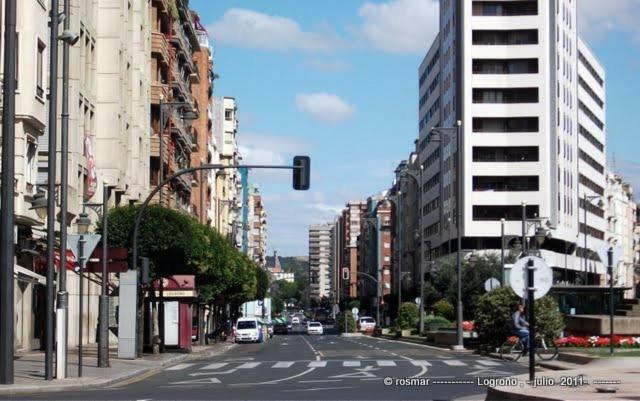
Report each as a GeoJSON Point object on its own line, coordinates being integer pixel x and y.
{"type": "Point", "coordinates": [542, 277]}
{"type": "Point", "coordinates": [418, 301]}
{"type": "Point", "coordinates": [491, 284]}
{"type": "Point", "coordinates": [355, 311]}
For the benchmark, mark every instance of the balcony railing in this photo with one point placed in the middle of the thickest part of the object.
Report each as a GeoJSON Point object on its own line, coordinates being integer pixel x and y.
{"type": "Point", "coordinates": [159, 45]}
{"type": "Point", "coordinates": [157, 90]}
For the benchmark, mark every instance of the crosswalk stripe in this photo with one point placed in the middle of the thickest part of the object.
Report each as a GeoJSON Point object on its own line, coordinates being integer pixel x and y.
{"type": "Point", "coordinates": [420, 363]}
{"type": "Point", "coordinates": [454, 362]}
{"type": "Point", "coordinates": [180, 366]}
{"type": "Point", "coordinates": [489, 363]}
{"type": "Point", "coordinates": [386, 363]}
{"type": "Point", "coordinates": [283, 365]}
{"type": "Point", "coordinates": [249, 365]}
{"type": "Point", "coordinates": [351, 363]}
{"type": "Point", "coordinates": [317, 364]}
{"type": "Point", "coordinates": [215, 365]}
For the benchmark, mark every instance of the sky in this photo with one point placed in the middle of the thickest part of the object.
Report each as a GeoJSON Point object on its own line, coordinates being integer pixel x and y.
{"type": "Point", "coordinates": [338, 80]}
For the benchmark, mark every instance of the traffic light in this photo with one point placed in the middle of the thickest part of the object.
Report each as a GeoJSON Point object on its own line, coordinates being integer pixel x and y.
{"type": "Point", "coordinates": [301, 172]}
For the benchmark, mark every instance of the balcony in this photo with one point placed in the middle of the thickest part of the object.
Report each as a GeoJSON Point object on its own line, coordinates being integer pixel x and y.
{"type": "Point", "coordinates": [179, 39]}
{"type": "Point", "coordinates": [160, 46]}
{"type": "Point", "coordinates": [157, 90]}
{"type": "Point", "coordinates": [179, 83]}
{"type": "Point", "coordinates": [161, 5]}
{"type": "Point", "coordinates": [154, 148]}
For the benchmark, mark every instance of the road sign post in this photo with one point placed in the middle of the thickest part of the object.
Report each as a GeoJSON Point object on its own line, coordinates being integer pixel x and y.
{"type": "Point", "coordinates": [610, 256]}
{"type": "Point", "coordinates": [532, 318]}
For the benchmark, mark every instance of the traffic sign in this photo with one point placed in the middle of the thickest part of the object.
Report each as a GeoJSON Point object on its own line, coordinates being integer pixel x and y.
{"type": "Point", "coordinates": [418, 301]}
{"type": "Point", "coordinates": [355, 311]}
{"type": "Point", "coordinates": [602, 253]}
{"type": "Point", "coordinates": [91, 241]}
{"type": "Point", "coordinates": [491, 284]}
{"type": "Point", "coordinates": [542, 277]}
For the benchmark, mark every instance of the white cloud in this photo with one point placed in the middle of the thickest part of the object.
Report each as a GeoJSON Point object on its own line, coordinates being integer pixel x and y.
{"type": "Point", "coordinates": [327, 65]}
{"type": "Point", "coordinates": [324, 107]}
{"type": "Point", "coordinates": [596, 18]}
{"type": "Point", "coordinates": [255, 30]}
{"type": "Point", "coordinates": [399, 26]}
{"type": "Point", "coordinates": [258, 148]}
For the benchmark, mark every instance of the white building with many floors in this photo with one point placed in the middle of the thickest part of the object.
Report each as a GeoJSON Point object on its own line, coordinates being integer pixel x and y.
{"type": "Point", "coordinates": [530, 99]}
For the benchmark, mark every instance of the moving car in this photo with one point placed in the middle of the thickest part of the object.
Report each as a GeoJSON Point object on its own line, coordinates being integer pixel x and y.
{"type": "Point", "coordinates": [280, 328]}
{"type": "Point", "coordinates": [314, 328]}
{"type": "Point", "coordinates": [366, 323]}
{"type": "Point", "coordinates": [295, 320]}
{"type": "Point", "coordinates": [248, 330]}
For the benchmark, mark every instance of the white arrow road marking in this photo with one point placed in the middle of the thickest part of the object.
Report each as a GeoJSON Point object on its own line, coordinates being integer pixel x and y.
{"type": "Point", "coordinates": [180, 366]}
{"type": "Point", "coordinates": [317, 364]}
{"type": "Point", "coordinates": [283, 365]}
{"type": "Point", "coordinates": [208, 380]}
{"type": "Point", "coordinates": [214, 365]}
{"type": "Point", "coordinates": [361, 373]}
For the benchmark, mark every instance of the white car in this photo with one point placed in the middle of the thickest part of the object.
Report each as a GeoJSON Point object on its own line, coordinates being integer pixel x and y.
{"type": "Point", "coordinates": [248, 330]}
{"type": "Point", "coordinates": [295, 320]}
{"type": "Point", "coordinates": [314, 328]}
{"type": "Point", "coordinates": [366, 323]}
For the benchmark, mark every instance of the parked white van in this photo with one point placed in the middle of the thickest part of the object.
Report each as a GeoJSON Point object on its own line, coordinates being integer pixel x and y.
{"type": "Point", "coordinates": [248, 330]}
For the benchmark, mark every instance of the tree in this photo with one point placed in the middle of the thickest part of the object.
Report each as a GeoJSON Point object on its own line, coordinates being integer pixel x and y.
{"type": "Point", "coordinates": [407, 316]}
{"type": "Point", "coordinates": [351, 322]}
{"type": "Point", "coordinates": [262, 282]}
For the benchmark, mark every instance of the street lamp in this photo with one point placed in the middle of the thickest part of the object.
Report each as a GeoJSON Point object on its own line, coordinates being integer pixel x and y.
{"type": "Point", "coordinates": [450, 131]}
{"type": "Point", "coordinates": [39, 205]}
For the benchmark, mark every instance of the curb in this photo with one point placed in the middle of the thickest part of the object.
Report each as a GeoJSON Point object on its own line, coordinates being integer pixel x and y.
{"type": "Point", "coordinates": [115, 380]}
{"type": "Point", "coordinates": [421, 344]}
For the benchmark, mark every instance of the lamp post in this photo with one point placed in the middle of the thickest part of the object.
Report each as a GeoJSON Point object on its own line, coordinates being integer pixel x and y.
{"type": "Point", "coordinates": [6, 197]}
{"type": "Point", "coordinates": [189, 115]}
{"type": "Point", "coordinates": [83, 222]}
{"type": "Point", "coordinates": [585, 200]}
{"type": "Point", "coordinates": [449, 131]}
{"type": "Point", "coordinates": [399, 224]}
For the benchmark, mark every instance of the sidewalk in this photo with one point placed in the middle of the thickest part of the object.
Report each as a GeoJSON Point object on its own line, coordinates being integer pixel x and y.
{"type": "Point", "coordinates": [29, 369]}
{"type": "Point", "coordinates": [620, 374]}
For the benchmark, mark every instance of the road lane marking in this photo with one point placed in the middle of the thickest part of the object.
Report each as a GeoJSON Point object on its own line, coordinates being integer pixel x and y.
{"type": "Point", "coordinates": [214, 365]}
{"type": "Point", "coordinates": [489, 363]}
{"type": "Point", "coordinates": [248, 365]}
{"type": "Point", "coordinates": [208, 380]}
{"type": "Point", "coordinates": [318, 389]}
{"type": "Point", "coordinates": [454, 362]}
{"type": "Point", "coordinates": [317, 364]}
{"type": "Point", "coordinates": [386, 363]}
{"type": "Point", "coordinates": [351, 363]}
{"type": "Point", "coordinates": [320, 381]}
{"type": "Point", "coordinates": [283, 365]}
{"type": "Point", "coordinates": [275, 381]}
{"type": "Point", "coordinates": [420, 363]}
{"type": "Point", "coordinates": [180, 366]}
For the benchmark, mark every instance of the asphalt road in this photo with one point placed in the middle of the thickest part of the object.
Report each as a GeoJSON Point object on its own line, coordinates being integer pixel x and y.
{"type": "Point", "coordinates": [300, 367]}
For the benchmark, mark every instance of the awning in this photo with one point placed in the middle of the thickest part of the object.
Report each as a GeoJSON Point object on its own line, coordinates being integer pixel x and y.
{"type": "Point", "coordinates": [19, 270]}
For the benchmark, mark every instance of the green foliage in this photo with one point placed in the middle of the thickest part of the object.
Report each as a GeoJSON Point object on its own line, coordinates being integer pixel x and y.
{"type": "Point", "coordinates": [355, 303]}
{"type": "Point", "coordinates": [262, 282]}
{"type": "Point", "coordinates": [178, 244]}
{"type": "Point", "coordinates": [351, 322]}
{"type": "Point", "coordinates": [444, 309]}
{"type": "Point", "coordinates": [432, 319]}
{"type": "Point", "coordinates": [173, 10]}
{"type": "Point", "coordinates": [408, 316]}
{"type": "Point", "coordinates": [493, 316]}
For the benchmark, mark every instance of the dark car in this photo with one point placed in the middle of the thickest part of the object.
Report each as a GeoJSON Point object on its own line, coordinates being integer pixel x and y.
{"type": "Point", "coordinates": [280, 328]}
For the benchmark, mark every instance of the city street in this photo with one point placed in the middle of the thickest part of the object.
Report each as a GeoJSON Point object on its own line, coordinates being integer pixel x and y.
{"type": "Point", "coordinates": [300, 367]}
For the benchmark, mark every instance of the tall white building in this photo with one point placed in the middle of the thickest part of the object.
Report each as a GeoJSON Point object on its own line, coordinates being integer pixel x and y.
{"type": "Point", "coordinates": [530, 97]}
{"type": "Point", "coordinates": [320, 261]}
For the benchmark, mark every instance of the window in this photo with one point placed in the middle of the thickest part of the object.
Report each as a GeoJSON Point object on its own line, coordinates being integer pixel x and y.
{"type": "Point", "coordinates": [387, 259]}
{"type": "Point", "coordinates": [40, 70]}
{"type": "Point", "coordinates": [506, 183]}
{"type": "Point", "coordinates": [591, 208]}
{"type": "Point", "coordinates": [591, 185]}
{"type": "Point", "coordinates": [590, 138]}
{"type": "Point", "coordinates": [594, 232]}
{"type": "Point", "coordinates": [508, 66]}
{"type": "Point", "coordinates": [505, 154]}
{"type": "Point", "coordinates": [513, 37]}
{"type": "Point", "coordinates": [505, 95]}
{"type": "Point", "coordinates": [590, 91]}
{"type": "Point", "coordinates": [228, 114]}
{"type": "Point", "coordinates": [506, 124]}
{"type": "Point", "coordinates": [590, 114]}
{"type": "Point", "coordinates": [508, 212]}
{"type": "Point", "coordinates": [32, 148]}
{"type": "Point", "coordinates": [590, 161]}
{"type": "Point", "coordinates": [590, 68]}
{"type": "Point", "coordinates": [501, 9]}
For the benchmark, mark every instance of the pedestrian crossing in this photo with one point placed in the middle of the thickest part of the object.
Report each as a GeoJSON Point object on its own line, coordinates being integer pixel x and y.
{"type": "Point", "coordinates": [383, 363]}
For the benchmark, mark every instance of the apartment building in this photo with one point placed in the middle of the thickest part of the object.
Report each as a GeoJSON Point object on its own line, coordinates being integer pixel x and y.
{"type": "Point", "coordinates": [351, 228]}
{"type": "Point", "coordinates": [337, 250]}
{"type": "Point", "coordinates": [174, 76]}
{"type": "Point", "coordinates": [30, 138]}
{"type": "Point", "coordinates": [530, 99]}
{"type": "Point", "coordinates": [227, 182]}
{"type": "Point", "coordinates": [320, 261]}
{"type": "Point", "coordinates": [620, 213]}
{"type": "Point", "coordinates": [258, 224]}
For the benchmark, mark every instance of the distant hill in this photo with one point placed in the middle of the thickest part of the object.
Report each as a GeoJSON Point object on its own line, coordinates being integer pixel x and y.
{"type": "Point", "coordinates": [298, 265]}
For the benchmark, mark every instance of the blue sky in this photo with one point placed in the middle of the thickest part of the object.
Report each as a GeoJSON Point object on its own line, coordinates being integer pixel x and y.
{"type": "Point", "coordinates": [338, 80]}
